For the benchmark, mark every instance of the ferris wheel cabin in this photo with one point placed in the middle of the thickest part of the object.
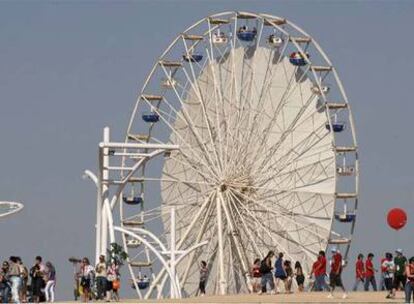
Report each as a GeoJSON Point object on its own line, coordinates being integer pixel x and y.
{"type": "Point", "coordinates": [245, 34]}
{"type": "Point", "coordinates": [151, 117]}
{"type": "Point", "coordinates": [132, 200]}
{"type": "Point", "coordinates": [192, 57]}
{"type": "Point", "coordinates": [297, 59]}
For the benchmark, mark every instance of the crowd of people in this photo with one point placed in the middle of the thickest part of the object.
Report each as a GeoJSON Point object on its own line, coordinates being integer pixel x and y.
{"type": "Point", "coordinates": [98, 283]}
{"type": "Point", "coordinates": [18, 284]}
{"type": "Point", "coordinates": [397, 273]}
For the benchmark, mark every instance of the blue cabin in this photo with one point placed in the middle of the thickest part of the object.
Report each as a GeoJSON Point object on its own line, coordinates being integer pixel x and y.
{"type": "Point", "coordinates": [143, 284]}
{"type": "Point", "coordinates": [336, 126]}
{"type": "Point", "coordinates": [151, 117]}
{"type": "Point", "coordinates": [132, 200]}
{"type": "Point", "coordinates": [345, 217]}
{"type": "Point", "coordinates": [244, 34]}
{"type": "Point", "coordinates": [192, 57]}
{"type": "Point", "coordinates": [297, 59]}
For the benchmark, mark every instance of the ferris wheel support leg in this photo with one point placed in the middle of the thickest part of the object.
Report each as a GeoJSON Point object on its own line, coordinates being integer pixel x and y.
{"type": "Point", "coordinates": [222, 279]}
{"type": "Point", "coordinates": [236, 240]}
{"type": "Point", "coordinates": [172, 249]}
{"type": "Point", "coordinates": [184, 237]}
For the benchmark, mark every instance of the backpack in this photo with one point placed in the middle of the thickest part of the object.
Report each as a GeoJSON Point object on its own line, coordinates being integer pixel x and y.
{"type": "Point", "coordinates": [264, 267]}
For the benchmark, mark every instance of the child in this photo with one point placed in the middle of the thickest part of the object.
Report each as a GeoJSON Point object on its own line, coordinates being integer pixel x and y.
{"type": "Point", "coordinates": [203, 278]}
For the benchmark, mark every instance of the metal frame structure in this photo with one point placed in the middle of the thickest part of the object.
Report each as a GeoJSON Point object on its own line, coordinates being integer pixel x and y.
{"type": "Point", "coordinates": [224, 91]}
{"type": "Point", "coordinates": [112, 181]}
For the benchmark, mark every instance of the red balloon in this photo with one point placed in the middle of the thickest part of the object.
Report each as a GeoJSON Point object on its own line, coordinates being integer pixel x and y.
{"type": "Point", "coordinates": [396, 218]}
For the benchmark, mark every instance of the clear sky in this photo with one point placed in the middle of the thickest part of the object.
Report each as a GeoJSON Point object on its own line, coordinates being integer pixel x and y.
{"type": "Point", "coordinates": [68, 68]}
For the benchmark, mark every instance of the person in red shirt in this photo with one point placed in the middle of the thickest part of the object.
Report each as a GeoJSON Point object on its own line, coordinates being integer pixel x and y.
{"type": "Point", "coordinates": [335, 274]}
{"type": "Point", "coordinates": [320, 273]}
{"type": "Point", "coordinates": [312, 286]}
{"type": "Point", "coordinates": [370, 273]}
{"type": "Point", "coordinates": [359, 271]}
{"type": "Point", "coordinates": [382, 278]}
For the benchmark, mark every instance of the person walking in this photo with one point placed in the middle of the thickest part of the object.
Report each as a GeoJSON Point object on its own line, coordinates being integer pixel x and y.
{"type": "Point", "coordinates": [300, 277]}
{"type": "Point", "coordinates": [14, 278]}
{"type": "Point", "coordinates": [4, 282]}
{"type": "Point", "coordinates": [409, 284]}
{"type": "Point", "coordinates": [370, 273]}
{"type": "Point", "coordinates": [203, 278]}
{"type": "Point", "coordinates": [256, 275]}
{"type": "Point", "coordinates": [24, 274]}
{"type": "Point", "coordinates": [280, 272]}
{"type": "Point", "coordinates": [112, 277]}
{"type": "Point", "coordinates": [36, 274]}
{"type": "Point", "coordinates": [382, 286]}
{"type": "Point", "coordinates": [400, 278]}
{"type": "Point", "coordinates": [289, 276]}
{"type": "Point", "coordinates": [312, 281]}
{"type": "Point", "coordinates": [389, 268]}
{"type": "Point", "coordinates": [335, 279]}
{"type": "Point", "coordinates": [86, 275]}
{"type": "Point", "coordinates": [359, 272]}
{"type": "Point", "coordinates": [101, 281]}
{"type": "Point", "coordinates": [266, 271]}
{"type": "Point", "coordinates": [50, 278]}
{"type": "Point", "coordinates": [320, 273]}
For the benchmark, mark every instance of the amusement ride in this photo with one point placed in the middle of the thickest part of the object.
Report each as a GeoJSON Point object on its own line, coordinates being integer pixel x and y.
{"type": "Point", "coordinates": [244, 131]}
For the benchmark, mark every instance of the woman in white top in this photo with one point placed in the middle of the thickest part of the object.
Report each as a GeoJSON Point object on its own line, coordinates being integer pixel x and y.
{"type": "Point", "coordinates": [389, 267]}
{"type": "Point", "coordinates": [50, 278]}
{"type": "Point", "coordinates": [112, 276]}
{"type": "Point", "coordinates": [86, 275]}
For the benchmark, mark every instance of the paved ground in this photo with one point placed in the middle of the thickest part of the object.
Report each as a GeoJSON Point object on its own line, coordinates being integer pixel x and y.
{"type": "Point", "coordinates": [314, 297]}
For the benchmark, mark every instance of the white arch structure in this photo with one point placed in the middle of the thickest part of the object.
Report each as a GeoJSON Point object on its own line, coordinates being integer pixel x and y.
{"type": "Point", "coordinates": [139, 154]}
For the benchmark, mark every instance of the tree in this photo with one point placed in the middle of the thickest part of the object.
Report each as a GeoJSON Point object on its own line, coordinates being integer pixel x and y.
{"type": "Point", "coordinates": [116, 254]}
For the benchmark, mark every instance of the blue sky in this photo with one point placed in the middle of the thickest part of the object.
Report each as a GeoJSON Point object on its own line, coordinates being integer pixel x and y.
{"type": "Point", "coordinates": [68, 68]}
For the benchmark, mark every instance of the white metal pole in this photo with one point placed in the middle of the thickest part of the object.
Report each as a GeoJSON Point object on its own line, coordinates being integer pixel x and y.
{"type": "Point", "coordinates": [222, 280]}
{"type": "Point", "coordinates": [89, 174]}
{"type": "Point", "coordinates": [172, 249]}
{"type": "Point", "coordinates": [105, 194]}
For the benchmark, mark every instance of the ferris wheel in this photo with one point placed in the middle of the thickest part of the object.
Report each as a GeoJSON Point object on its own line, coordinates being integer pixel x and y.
{"type": "Point", "coordinates": [268, 154]}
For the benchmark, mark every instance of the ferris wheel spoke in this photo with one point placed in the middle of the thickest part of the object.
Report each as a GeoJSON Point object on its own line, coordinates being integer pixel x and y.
{"type": "Point", "coordinates": [199, 157]}
{"type": "Point", "coordinates": [299, 179]}
{"type": "Point", "coordinates": [289, 130]}
{"type": "Point", "coordinates": [254, 218]}
{"type": "Point", "coordinates": [278, 213]}
{"type": "Point", "coordinates": [292, 155]}
{"type": "Point", "coordinates": [264, 88]}
{"type": "Point", "coordinates": [305, 168]}
{"type": "Point", "coordinates": [198, 238]}
{"type": "Point", "coordinates": [284, 163]}
{"type": "Point", "coordinates": [246, 229]}
{"type": "Point", "coordinates": [188, 121]}
{"type": "Point", "coordinates": [194, 82]}
{"type": "Point", "coordinates": [295, 241]}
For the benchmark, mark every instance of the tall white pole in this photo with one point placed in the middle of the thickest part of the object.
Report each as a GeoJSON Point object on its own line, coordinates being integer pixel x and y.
{"type": "Point", "coordinates": [105, 194]}
{"type": "Point", "coordinates": [222, 280]}
{"type": "Point", "coordinates": [89, 174]}
{"type": "Point", "coordinates": [172, 249]}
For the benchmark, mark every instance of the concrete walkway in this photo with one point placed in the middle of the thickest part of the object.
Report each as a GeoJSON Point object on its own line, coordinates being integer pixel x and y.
{"type": "Point", "coordinates": [306, 297]}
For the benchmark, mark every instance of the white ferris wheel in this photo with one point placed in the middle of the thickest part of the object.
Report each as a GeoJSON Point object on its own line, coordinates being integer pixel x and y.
{"type": "Point", "coordinates": [268, 153]}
